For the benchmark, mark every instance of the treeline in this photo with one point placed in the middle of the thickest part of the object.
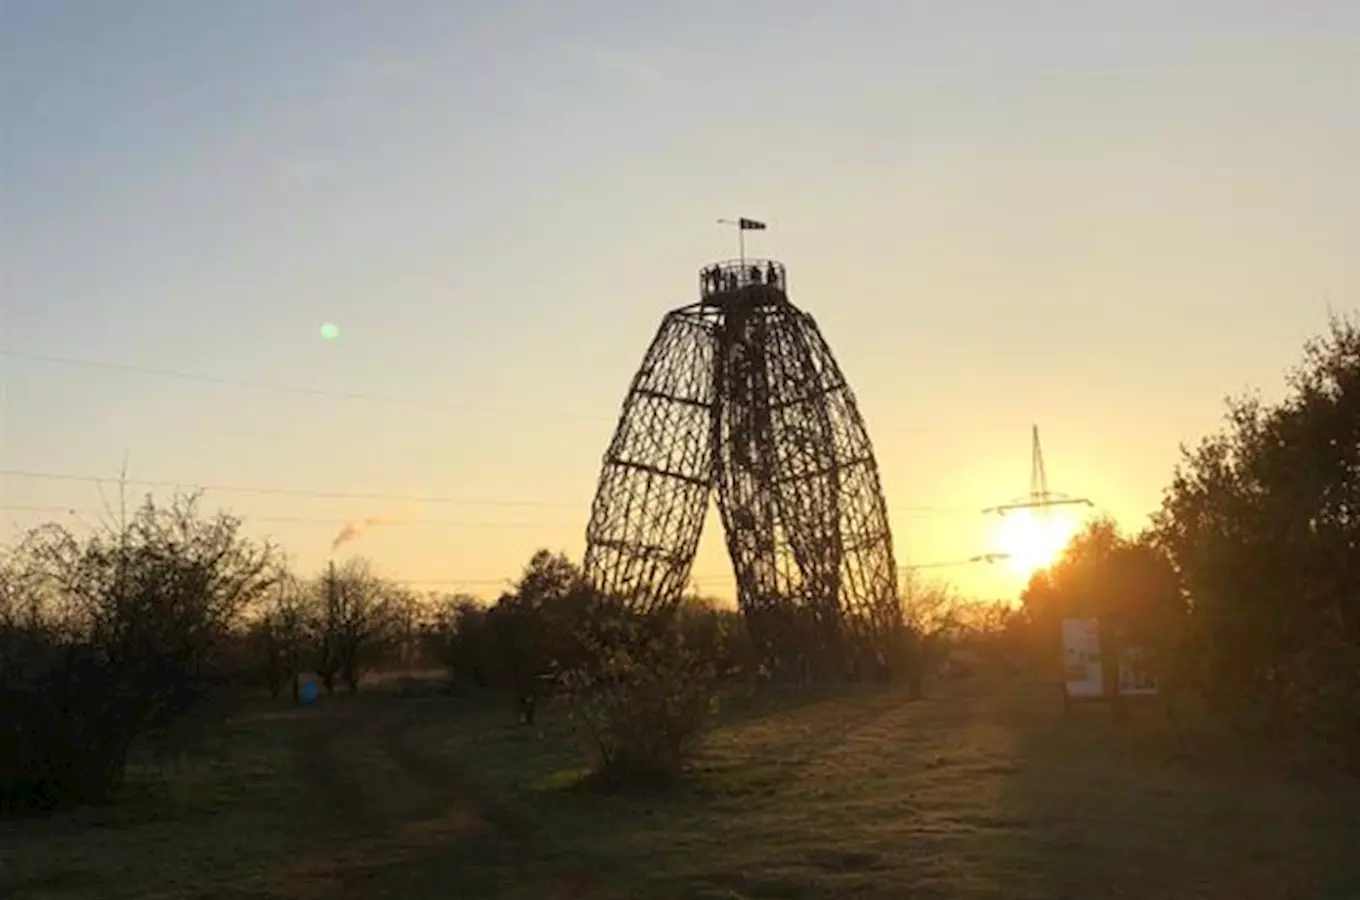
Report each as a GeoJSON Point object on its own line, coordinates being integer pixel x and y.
{"type": "Point", "coordinates": [138, 631]}
{"type": "Point", "coordinates": [1245, 586]}
{"type": "Point", "coordinates": [138, 634]}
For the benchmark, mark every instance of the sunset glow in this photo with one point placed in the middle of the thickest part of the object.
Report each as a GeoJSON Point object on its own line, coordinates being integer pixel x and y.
{"type": "Point", "coordinates": [1033, 540]}
{"type": "Point", "coordinates": [337, 319]}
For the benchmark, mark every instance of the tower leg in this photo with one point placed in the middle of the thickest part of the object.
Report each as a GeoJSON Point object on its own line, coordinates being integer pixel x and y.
{"type": "Point", "coordinates": [799, 494]}
{"type": "Point", "coordinates": [654, 486]}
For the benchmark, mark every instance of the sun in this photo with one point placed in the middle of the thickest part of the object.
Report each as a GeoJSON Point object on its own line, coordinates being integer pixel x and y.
{"type": "Point", "coordinates": [1031, 541]}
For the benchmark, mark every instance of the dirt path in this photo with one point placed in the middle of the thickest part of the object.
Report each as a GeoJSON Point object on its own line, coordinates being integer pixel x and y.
{"type": "Point", "coordinates": [380, 804]}
{"type": "Point", "coordinates": [391, 811]}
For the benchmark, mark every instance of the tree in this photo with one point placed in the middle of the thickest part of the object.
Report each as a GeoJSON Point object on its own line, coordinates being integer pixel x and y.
{"type": "Point", "coordinates": [113, 637]}
{"type": "Point", "coordinates": [535, 627]}
{"type": "Point", "coordinates": [929, 616]}
{"type": "Point", "coordinates": [350, 621]}
{"type": "Point", "coordinates": [282, 636]}
{"type": "Point", "coordinates": [1127, 585]}
{"type": "Point", "coordinates": [457, 637]}
{"type": "Point", "coordinates": [991, 629]}
{"type": "Point", "coordinates": [406, 614]}
{"type": "Point", "coordinates": [1262, 526]}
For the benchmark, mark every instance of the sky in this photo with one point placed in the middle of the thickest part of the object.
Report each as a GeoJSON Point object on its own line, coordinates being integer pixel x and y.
{"type": "Point", "coordinates": [1101, 218]}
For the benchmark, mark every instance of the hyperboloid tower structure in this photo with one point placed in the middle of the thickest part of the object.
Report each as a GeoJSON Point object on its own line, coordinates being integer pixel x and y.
{"type": "Point", "coordinates": [739, 395]}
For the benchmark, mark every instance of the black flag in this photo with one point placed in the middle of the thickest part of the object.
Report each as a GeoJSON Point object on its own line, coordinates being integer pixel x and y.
{"type": "Point", "coordinates": [751, 225]}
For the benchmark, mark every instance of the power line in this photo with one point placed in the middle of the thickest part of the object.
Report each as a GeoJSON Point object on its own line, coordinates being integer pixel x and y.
{"type": "Point", "coordinates": [355, 495]}
{"type": "Point", "coordinates": [455, 582]}
{"type": "Point", "coordinates": [278, 388]}
{"type": "Point", "coordinates": [284, 492]}
{"type": "Point", "coordinates": [950, 563]}
{"type": "Point", "coordinates": [300, 520]}
{"type": "Point", "coordinates": [248, 384]}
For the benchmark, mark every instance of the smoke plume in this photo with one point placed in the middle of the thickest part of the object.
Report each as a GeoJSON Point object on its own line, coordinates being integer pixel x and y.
{"type": "Point", "coordinates": [355, 530]}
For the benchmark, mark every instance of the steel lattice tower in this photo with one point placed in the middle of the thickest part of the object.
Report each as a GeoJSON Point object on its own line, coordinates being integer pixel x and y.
{"type": "Point", "coordinates": [739, 395]}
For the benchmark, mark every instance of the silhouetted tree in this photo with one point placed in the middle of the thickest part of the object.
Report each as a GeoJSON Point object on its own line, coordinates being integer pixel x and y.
{"type": "Point", "coordinates": [282, 635]}
{"type": "Point", "coordinates": [350, 622]}
{"type": "Point", "coordinates": [406, 615]}
{"type": "Point", "coordinates": [993, 630]}
{"type": "Point", "coordinates": [457, 638]}
{"type": "Point", "coordinates": [115, 636]}
{"type": "Point", "coordinates": [1262, 525]}
{"type": "Point", "coordinates": [534, 628]}
{"type": "Point", "coordinates": [929, 616]}
{"type": "Point", "coordinates": [1128, 586]}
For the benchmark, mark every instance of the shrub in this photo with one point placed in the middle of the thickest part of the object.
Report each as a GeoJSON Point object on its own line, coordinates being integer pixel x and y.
{"type": "Point", "coordinates": [718, 633]}
{"type": "Point", "coordinates": [112, 638]}
{"type": "Point", "coordinates": [455, 638]}
{"type": "Point", "coordinates": [641, 693]}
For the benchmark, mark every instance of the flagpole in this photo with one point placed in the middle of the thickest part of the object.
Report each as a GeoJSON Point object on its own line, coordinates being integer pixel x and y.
{"type": "Point", "coordinates": [741, 234]}
{"type": "Point", "coordinates": [741, 237]}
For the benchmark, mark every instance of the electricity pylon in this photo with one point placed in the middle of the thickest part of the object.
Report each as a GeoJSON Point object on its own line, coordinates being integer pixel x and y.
{"type": "Point", "coordinates": [1040, 499]}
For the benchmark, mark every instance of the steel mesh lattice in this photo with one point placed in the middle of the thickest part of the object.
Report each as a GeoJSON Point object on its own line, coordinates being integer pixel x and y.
{"type": "Point", "coordinates": [741, 394]}
{"type": "Point", "coordinates": [654, 487]}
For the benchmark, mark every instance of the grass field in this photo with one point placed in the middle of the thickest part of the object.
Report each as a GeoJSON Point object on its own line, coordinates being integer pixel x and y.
{"type": "Point", "coordinates": [976, 792]}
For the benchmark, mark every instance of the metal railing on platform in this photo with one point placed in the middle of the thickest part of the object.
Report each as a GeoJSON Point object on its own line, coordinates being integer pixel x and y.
{"type": "Point", "coordinates": [735, 274]}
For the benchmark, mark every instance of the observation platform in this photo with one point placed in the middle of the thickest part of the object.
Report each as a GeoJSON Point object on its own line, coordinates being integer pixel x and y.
{"type": "Point", "coordinates": [722, 281]}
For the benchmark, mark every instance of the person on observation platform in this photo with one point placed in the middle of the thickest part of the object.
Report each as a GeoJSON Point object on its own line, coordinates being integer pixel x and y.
{"type": "Point", "coordinates": [771, 275]}
{"type": "Point", "coordinates": [755, 274]}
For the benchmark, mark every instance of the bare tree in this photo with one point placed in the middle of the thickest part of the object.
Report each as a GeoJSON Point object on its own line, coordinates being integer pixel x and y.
{"type": "Point", "coordinates": [930, 613]}
{"type": "Point", "coordinates": [406, 614]}
{"type": "Point", "coordinates": [283, 635]}
{"type": "Point", "coordinates": [115, 636]}
{"type": "Point", "coordinates": [350, 620]}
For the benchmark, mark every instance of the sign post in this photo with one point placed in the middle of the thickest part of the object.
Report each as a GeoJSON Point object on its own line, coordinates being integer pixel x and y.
{"type": "Point", "coordinates": [1084, 671]}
